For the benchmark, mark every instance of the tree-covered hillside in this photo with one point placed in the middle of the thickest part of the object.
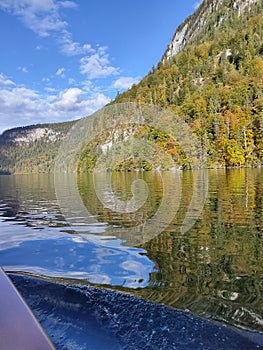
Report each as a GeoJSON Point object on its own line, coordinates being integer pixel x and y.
{"type": "Point", "coordinates": [210, 76]}
{"type": "Point", "coordinates": [216, 85]}
{"type": "Point", "coordinates": [31, 149]}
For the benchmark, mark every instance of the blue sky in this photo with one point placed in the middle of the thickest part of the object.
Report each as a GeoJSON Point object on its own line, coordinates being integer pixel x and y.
{"type": "Point", "coordinates": [62, 60]}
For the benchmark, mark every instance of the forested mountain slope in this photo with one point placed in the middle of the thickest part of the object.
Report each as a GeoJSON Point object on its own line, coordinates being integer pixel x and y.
{"type": "Point", "coordinates": [32, 148]}
{"type": "Point", "coordinates": [215, 81]}
{"type": "Point", "coordinates": [211, 76]}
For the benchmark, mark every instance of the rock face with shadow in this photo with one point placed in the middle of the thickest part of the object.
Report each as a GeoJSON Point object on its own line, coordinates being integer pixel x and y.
{"type": "Point", "coordinates": [83, 317]}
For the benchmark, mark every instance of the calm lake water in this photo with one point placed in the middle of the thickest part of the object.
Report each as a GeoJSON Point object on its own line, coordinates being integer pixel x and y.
{"type": "Point", "coordinates": [214, 268]}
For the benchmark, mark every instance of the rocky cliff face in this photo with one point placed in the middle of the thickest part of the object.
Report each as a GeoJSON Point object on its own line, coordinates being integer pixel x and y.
{"type": "Point", "coordinates": [30, 134]}
{"type": "Point", "coordinates": [198, 21]}
{"type": "Point", "coordinates": [31, 148]}
{"type": "Point", "coordinates": [33, 133]}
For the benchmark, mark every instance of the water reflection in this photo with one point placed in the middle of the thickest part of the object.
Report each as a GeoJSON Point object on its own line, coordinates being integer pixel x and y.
{"type": "Point", "coordinates": [215, 269]}
{"type": "Point", "coordinates": [136, 218]}
{"type": "Point", "coordinates": [29, 201]}
{"type": "Point", "coordinates": [154, 211]}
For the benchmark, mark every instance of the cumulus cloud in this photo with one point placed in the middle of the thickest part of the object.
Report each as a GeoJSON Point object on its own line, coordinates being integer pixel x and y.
{"type": "Point", "coordinates": [70, 47]}
{"type": "Point", "coordinates": [18, 99]}
{"type": "Point", "coordinates": [97, 65]}
{"type": "Point", "coordinates": [69, 99]}
{"type": "Point", "coordinates": [22, 106]}
{"type": "Point", "coordinates": [72, 100]}
{"type": "Point", "coordinates": [41, 16]}
{"type": "Point", "coordinates": [4, 81]}
{"type": "Point", "coordinates": [125, 82]}
{"type": "Point", "coordinates": [44, 18]}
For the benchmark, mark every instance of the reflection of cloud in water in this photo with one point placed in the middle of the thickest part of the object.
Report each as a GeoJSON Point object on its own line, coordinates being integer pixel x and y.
{"type": "Point", "coordinates": [59, 262]}
{"type": "Point", "coordinates": [13, 236]}
{"type": "Point", "coordinates": [57, 254]}
{"type": "Point", "coordinates": [138, 269]}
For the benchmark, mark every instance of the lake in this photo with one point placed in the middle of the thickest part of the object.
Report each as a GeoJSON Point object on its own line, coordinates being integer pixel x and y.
{"type": "Point", "coordinates": [188, 246]}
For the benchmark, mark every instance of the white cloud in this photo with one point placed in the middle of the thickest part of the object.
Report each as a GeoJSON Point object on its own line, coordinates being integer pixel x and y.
{"type": "Point", "coordinates": [70, 47]}
{"type": "Point", "coordinates": [46, 80]}
{"type": "Point", "coordinates": [20, 106]}
{"type": "Point", "coordinates": [71, 81]}
{"type": "Point", "coordinates": [4, 81]}
{"type": "Point", "coordinates": [61, 72]}
{"type": "Point", "coordinates": [45, 19]}
{"type": "Point", "coordinates": [69, 99]}
{"type": "Point", "coordinates": [17, 97]}
{"type": "Point", "coordinates": [72, 99]}
{"type": "Point", "coordinates": [49, 89]}
{"type": "Point", "coordinates": [125, 82]}
{"type": "Point", "coordinates": [41, 16]}
{"type": "Point", "coordinates": [68, 4]}
{"type": "Point", "coordinates": [97, 65]}
{"type": "Point", "coordinates": [23, 69]}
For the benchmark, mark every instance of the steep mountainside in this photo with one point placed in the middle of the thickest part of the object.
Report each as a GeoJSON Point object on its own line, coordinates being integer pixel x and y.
{"type": "Point", "coordinates": [210, 14]}
{"type": "Point", "coordinates": [213, 79]}
{"type": "Point", "coordinates": [211, 76]}
{"type": "Point", "coordinates": [32, 148]}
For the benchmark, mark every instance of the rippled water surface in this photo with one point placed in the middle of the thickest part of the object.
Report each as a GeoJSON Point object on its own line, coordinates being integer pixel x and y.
{"type": "Point", "coordinates": [214, 269]}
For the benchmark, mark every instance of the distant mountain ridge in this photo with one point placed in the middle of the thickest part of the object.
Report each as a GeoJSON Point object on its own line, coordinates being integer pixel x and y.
{"type": "Point", "coordinates": [31, 148]}
{"type": "Point", "coordinates": [211, 76]}
{"type": "Point", "coordinates": [29, 134]}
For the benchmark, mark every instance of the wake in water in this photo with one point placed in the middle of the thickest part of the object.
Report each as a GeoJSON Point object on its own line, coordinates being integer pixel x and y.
{"type": "Point", "coordinates": [87, 318]}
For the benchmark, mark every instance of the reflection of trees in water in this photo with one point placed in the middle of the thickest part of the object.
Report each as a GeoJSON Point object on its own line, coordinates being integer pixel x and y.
{"type": "Point", "coordinates": [121, 185]}
{"type": "Point", "coordinates": [194, 274]}
{"type": "Point", "coordinates": [216, 269]}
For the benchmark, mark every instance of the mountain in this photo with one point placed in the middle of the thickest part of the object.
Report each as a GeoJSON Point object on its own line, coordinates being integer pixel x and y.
{"type": "Point", "coordinates": [210, 75]}
{"type": "Point", "coordinates": [32, 148]}
{"type": "Point", "coordinates": [210, 14]}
